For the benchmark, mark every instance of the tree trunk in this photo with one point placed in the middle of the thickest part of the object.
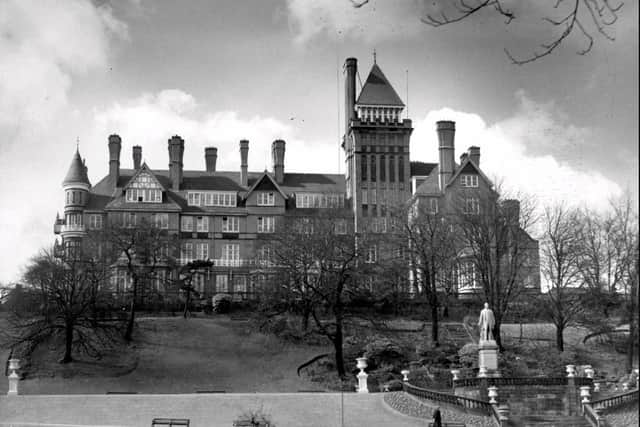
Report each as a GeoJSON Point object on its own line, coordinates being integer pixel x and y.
{"type": "Point", "coordinates": [187, 301]}
{"type": "Point", "coordinates": [633, 314]}
{"type": "Point", "coordinates": [128, 335]}
{"type": "Point", "coordinates": [496, 334]}
{"type": "Point", "coordinates": [434, 324]}
{"type": "Point", "coordinates": [68, 343]}
{"type": "Point", "coordinates": [560, 338]}
{"type": "Point", "coordinates": [337, 345]}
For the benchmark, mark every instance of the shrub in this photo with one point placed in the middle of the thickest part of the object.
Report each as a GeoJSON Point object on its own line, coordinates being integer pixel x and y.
{"type": "Point", "coordinates": [221, 303]}
{"type": "Point", "coordinates": [393, 385]}
{"type": "Point", "coordinates": [383, 351]}
{"type": "Point", "coordinates": [468, 356]}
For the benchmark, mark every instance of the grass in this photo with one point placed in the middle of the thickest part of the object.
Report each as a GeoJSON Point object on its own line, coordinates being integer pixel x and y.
{"type": "Point", "coordinates": [174, 355]}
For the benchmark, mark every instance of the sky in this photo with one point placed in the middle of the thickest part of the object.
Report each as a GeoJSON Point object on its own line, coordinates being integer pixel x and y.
{"type": "Point", "coordinates": [563, 129]}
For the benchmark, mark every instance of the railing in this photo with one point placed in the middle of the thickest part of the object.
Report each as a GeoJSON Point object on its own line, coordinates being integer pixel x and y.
{"type": "Point", "coordinates": [464, 402]}
{"type": "Point", "coordinates": [592, 415]}
{"type": "Point", "coordinates": [519, 381]}
{"type": "Point", "coordinates": [71, 227]}
{"type": "Point", "coordinates": [613, 401]}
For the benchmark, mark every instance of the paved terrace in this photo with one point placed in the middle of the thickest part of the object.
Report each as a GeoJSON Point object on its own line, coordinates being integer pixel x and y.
{"type": "Point", "coordinates": [204, 410]}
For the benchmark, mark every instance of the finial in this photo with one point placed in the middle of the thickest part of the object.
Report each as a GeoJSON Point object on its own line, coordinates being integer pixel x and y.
{"type": "Point", "coordinates": [77, 143]}
{"type": "Point", "coordinates": [374, 56]}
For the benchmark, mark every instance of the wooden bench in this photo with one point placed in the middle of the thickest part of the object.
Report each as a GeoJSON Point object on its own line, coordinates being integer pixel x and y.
{"type": "Point", "coordinates": [170, 422]}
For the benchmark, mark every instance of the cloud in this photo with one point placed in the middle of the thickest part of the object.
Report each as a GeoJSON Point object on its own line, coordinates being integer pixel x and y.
{"type": "Point", "coordinates": [43, 46]}
{"type": "Point", "coordinates": [151, 119]}
{"type": "Point", "coordinates": [376, 21]}
{"type": "Point", "coordinates": [530, 151]}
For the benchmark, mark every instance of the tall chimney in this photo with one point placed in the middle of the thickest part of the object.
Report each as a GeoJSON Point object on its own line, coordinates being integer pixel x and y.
{"type": "Point", "coordinates": [351, 68]}
{"type": "Point", "coordinates": [115, 144]}
{"type": "Point", "coordinates": [474, 155]}
{"type": "Point", "coordinates": [176, 153]}
{"type": "Point", "coordinates": [244, 154]}
{"type": "Point", "coordinates": [137, 156]}
{"type": "Point", "coordinates": [446, 133]}
{"type": "Point", "coordinates": [277, 154]}
{"type": "Point", "coordinates": [210, 158]}
{"type": "Point", "coordinates": [463, 158]}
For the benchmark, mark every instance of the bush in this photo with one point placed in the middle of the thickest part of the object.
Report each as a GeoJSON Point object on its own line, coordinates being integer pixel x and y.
{"type": "Point", "coordinates": [221, 303]}
{"type": "Point", "coordinates": [468, 356]}
{"type": "Point", "coordinates": [383, 351]}
{"type": "Point", "coordinates": [393, 385]}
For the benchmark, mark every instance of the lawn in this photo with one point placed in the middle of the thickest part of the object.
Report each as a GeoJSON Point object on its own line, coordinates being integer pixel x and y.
{"type": "Point", "coordinates": [174, 355]}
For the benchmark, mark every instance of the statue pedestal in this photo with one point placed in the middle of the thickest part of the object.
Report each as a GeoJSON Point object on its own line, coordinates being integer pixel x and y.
{"type": "Point", "coordinates": [488, 359]}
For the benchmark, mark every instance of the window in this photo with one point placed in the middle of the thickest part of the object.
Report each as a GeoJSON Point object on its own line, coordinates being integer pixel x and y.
{"type": "Point", "coordinates": [372, 169]}
{"type": "Point", "coordinates": [159, 280]}
{"type": "Point", "coordinates": [374, 197]}
{"type": "Point", "coordinates": [471, 206]}
{"type": "Point", "coordinates": [240, 284]}
{"type": "Point", "coordinates": [129, 219]}
{"type": "Point", "coordinates": [144, 188]}
{"type": "Point", "coordinates": [467, 277]}
{"type": "Point", "coordinates": [365, 196]}
{"type": "Point", "coordinates": [199, 279]}
{"type": "Point", "coordinates": [231, 252]}
{"type": "Point", "coordinates": [432, 205]}
{"type": "Point", "coordinates": [392, 168]}
{"type": "Point", "coordinates": [383, 168]}
{"type": "Point", "coordinates": [266, 199]}
{"type": "Point", "coordinates": [95, 221]}
{"type": "Point", "coordinates": [202, 224]}
{"type": "Point", "coordinates": [122, 280]}
{"type": "Point", "coordinates": [193, 199]}
{"type": "Point", "coordinates": [340, 226]}
{"type": "Point", "coordinates": [186, 223]}
{"type": "Point", "coordinates": [222, 283]}
{"type": "Point", "coordinates": [160, 220]}
{"type": "Point", "coordinates": [363, 165]}
{"type": "Point", "coordinates": [187, 252]}
{"type": "Point", "coordinates": [319, 200]}
{"type": "Point", "coordinates": [230, 224]}
{"type": "Point", "coordinates": [400, 169]}
{"type": "Point", "coordinates": [266, 224]}
{"type": "Point", "coordinates": [469, 180]}
{"type": "Point", "coordinates": [202, 251]}
{"type": "Point", "coordinates": [264, 255]}
{"type": "Point", "coordinates": [372, 254]}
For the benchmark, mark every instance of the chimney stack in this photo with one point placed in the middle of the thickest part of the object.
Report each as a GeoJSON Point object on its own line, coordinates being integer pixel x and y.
{"type": "Point", "coordinates": [210, 158]}
{"type": "Point", "coordinates": [351, 68]}
{"type": "Point", "coordinates": [244, 154]}
{"type": "Point", "coordinates": [137, 156]}
{"type": "Point", "coordinates": [176, 153]}
{"type": "Point", "coordinates": [277, 154]}
{"type": "Point", "coordinates": [463, 158]}
{"type": "Point", "coordinates": [115, 144]}
{"type": "Point", "coordinates": [474, 155]}
{"type": "Point", "coordinates": [446, 134]}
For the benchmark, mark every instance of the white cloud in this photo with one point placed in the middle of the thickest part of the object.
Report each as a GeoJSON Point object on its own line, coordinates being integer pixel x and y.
{"type": "Point", "coordinates": [513, 149]}
{"type": "Point", "coordinates": [376, 21]}
{"type": "Point", "coordinates": [43, 46]}
{"type": "Point", "coordinates": [151, 119]}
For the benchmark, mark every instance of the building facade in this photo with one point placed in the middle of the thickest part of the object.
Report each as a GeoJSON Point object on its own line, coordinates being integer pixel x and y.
{"type": "Point", "coordinates": [226, 216]}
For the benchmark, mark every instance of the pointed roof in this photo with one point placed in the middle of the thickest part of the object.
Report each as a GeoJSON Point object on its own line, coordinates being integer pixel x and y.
{"type": "Point", "coordinates": [378, 91]}
{"type": "Point", "coordinates": [144, 169]}
{"type": "Point", "coordinates": [268, 177]}
{"type": "Point", "coordinates": [469, 166]}
{"type": "Point", "coordinates": [77, 171]}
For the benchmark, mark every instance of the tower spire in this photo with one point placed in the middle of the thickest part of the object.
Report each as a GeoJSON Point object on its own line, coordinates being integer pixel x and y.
{"type": "Point", "coordinates": [374, 55]}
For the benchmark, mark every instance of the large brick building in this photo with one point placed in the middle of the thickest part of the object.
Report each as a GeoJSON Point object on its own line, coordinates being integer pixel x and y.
{"type": "Point", "coordinates": [223, 216]}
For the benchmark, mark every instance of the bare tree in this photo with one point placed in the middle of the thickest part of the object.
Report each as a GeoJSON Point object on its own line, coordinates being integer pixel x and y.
{"type": "Point", "coordinates": [559, 265]}
{"type": "Point", "coordinates": [322, 264]}
{"type": "Point", "coordinates": [66, 286]}
{"type": "Point", "coordinates": [565, 17]}
{"type": "Point", "coordinates": [432, 248]}
{"type": "Point", "coordinates": [187, 273]}
{"type": "Point", "coordinates": [494, 238]}
{"type": "Point", "coordinates": [143, 251]}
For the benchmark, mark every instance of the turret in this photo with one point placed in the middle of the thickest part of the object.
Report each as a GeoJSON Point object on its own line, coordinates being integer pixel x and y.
{"type": "Point", "coordinates": [76, 187]}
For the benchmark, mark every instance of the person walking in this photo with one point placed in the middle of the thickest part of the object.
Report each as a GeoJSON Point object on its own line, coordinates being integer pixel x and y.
{"type": "Point", "coordinates": [437, 418]}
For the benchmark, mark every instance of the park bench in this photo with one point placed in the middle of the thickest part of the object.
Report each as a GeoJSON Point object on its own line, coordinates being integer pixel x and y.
{"type": "Point", "coordinates": [170, 422]}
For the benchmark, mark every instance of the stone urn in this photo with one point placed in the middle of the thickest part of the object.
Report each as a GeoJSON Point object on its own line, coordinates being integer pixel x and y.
{"type": "Point", "coordinates": [585, 394]}
{"type": "Point", "coordinates": [571, 371]}
{"type": "Point", "coordinates": [482, 372]}
{"type": "Point", "coordinates": [405, 374]}
{"type": "Point", "coordinates": [493, 394]}
{"type": "Point", "coordinates": [589, 371]}
{"type": "Point", "coordinates": [596, 386]}
{"type": "Point", "coordinates": [456, 374]}
{"type": "Point", "coordinates": [14, 364]}
{"type": "Point", "coordinates": [361, 363]}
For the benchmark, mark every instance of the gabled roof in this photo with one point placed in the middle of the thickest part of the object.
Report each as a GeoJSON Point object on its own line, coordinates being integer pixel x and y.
{"type": "Point", "coordinates": [145, 169]}
{"type": "Point", "coordinates": [421, 168]}
{"type": "Point", "coordinates": [378, 91]}
{"type": "Point", "coordinates": [268, 177]}
{"type": "Point", "coordinates": [431, 185]}
{"type": "Point", "coordinates": [469, 166]}
{"type": "Point", "coordinates": [77, 171]}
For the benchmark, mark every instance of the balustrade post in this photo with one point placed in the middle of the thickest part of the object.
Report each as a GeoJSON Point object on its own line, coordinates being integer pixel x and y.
{"type": "Point", "coordinates": [503, 413]}
{"type": "Point", "coordinates": [14, 378]}
{"type": "Point", "coordinates": [405, 375]}
{"type": "Point", "coordinates": [362, 375]}
{"type": "Point", "coordinates": [585, 395]}
{"type": "Point", "coordinates": [493, 394]}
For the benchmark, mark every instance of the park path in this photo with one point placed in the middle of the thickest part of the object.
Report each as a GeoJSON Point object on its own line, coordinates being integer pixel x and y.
{"type": "Point", "coordinates": [204, 410]}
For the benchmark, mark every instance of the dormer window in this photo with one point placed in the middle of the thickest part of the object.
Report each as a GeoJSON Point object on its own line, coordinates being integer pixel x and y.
{"type": "Point", "coordinates": [266, 199]}
{"type": "Point", "coordinates": [469, 180]}
{"type": "Point", "coordinates": [144, 189]}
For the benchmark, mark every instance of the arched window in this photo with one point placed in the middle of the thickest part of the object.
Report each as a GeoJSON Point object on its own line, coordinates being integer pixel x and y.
{"type": "Point", "coordinates": [363, 166]}
{"type": "Point", "coordinates": [392, 168]}
{"type": "Point", "coordinates": [383, 168]}
{"type": "Point", "coordinates": [373, 168]}
{"type": "Point", "coordinates": [400, 169]}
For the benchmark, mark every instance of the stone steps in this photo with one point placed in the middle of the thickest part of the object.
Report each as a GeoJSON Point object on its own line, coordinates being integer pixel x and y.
{"type": "Point", "coordinates": [457, 334]}
{"type": "Point", "coordinates": [550, 421]}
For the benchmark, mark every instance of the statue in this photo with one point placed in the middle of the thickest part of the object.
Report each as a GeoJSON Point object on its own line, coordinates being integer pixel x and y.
{"type": "Point", "coordinates": [486, 322]}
